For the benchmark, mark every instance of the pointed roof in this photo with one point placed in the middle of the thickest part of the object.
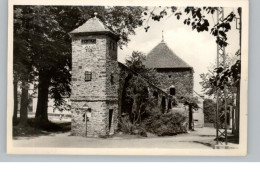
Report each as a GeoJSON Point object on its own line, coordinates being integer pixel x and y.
{"type": "Point", "coordinates": [161, 56]}
{"type": "Point", "coordinates": [94, 25]}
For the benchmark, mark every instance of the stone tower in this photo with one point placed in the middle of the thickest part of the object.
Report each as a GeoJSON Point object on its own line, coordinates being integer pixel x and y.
{"type": "Point", "coordinates": [175, 76]}
{"type": "Point", "coordinates": [94, 98]}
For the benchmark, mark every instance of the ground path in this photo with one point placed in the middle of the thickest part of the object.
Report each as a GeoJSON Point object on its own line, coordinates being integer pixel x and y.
{"type": "Point", "coordinates": [200, 138]}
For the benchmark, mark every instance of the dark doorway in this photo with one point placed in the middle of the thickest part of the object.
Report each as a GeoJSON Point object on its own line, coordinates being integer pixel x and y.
{"type": "Point", "coordinates": [170, 104]}
{"type": "Point", "coordinates": [172, 91]}
{"type": "Point", "coordinates": [163, 104]}
{"type": "Point", "coordinates": [110, 118]}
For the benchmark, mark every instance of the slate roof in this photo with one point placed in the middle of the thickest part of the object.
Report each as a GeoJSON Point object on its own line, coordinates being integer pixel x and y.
{"type": "Point", "coordinates": [93, 25]}
{"type": "Point", "coordinates": [161, 56]}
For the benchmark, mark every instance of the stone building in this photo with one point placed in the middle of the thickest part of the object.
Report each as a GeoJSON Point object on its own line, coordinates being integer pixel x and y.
{"type": "Point", "coordinates": [98, 78]}
{"type": "Point", "coordinates": [175, 75]}
{"type": "Point", "coordinates": [94, 98]}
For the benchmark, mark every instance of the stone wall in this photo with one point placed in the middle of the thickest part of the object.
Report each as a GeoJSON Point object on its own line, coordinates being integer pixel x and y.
{"type": "Point", "coordinates": [96, 124]}
{"type": "Point", "coordinates": [181, 79]}
{"type": "Point", "coordinates": [93, 60]}
{"type": "Point", "coordinates": [100, 94]}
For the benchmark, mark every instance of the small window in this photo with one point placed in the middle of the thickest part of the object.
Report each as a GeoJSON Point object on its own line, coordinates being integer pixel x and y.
{"type": "Point", "coordinates": [170, 76]}
{"type": "Point", "coordinates": [112, 79]}
{"type": "Point", "coordinates": [172, 91]}
{"type": "Point", "coordinates": [88, 41]}
{"type": "Point", "coordinates": [88, 76]}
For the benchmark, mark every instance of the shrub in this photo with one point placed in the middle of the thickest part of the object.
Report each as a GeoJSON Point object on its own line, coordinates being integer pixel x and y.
{"type": "Point", "coordinates": [125, 124]}
{"type": "Point", "coordinates": [209, 110]}
{"type": "Point", "coordinates": [171, 123]}
{"type": "Point", "coordinates": [127, 127]}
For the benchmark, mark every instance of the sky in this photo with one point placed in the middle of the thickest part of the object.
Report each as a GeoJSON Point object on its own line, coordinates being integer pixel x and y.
{"type": "Point", "coordinates": [197, 49]}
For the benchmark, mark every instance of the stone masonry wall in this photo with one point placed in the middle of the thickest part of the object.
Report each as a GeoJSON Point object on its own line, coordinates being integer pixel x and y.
{"type": "Point", "coordinates": [182, 80]}
{"type": "Point", "coordinates": [92, 59]}
{"type": "Point", "coordinates": [97, 124]}
{"type": "Point", "coordinates": [96, 93]}
{"type": "Point", "coordinates": [112, 85]}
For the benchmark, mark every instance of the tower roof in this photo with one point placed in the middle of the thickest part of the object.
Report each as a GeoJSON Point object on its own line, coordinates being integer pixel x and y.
{"type": "Point", "coordinates": [161, 56]}
{"type": "Point", "coordinates": [94, 26]}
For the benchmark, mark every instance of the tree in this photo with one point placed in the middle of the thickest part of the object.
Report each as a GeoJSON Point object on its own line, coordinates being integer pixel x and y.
{"type": "Point", "coordinates": [195, 18]}
{"type": "Point", "coordinates": [136, 89]}
{"type": "Point", "coordinates": [23, 69]}
{"type": "Point", "coordinates": [225, 80]}
{"type": "Point", "coordinates": [192, 103]}
{"type": "Point", "coordinates": [47, 30]}
{"type": "Point", "coordinates": [215, 77]}
{"type": "Point", "coordinates": [209, 110]}
{"type": "Point", "coordinates": [135, 63]}
{"type": "Point", "coordinates": [138, 94]}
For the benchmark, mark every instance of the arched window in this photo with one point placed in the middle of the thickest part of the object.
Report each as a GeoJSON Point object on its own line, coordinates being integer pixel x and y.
{"type": "Point", "coordinates": [172, 91]}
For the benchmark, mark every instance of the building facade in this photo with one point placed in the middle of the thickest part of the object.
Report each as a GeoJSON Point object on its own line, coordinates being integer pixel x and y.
{"type": "Point", "coordinates": [175, 76]}
{"type": "Point", "coordinates": [96, 96]}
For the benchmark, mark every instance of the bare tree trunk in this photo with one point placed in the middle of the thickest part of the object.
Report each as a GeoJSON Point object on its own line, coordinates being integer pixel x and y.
{"type": "Point", "coordinates": [190, 118]}
{"type": "Point", "coordinates": [41, 116]}
{"type": "Point", "coordinates": [15, 101]}
{"type": "Point", "coordinates": [24, 105]}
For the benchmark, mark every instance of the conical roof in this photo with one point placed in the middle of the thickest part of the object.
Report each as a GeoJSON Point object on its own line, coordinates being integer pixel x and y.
{"type": "Point", "coordinates": [93, 25]}
{"type": "Point", "coordinates": [161, 56]}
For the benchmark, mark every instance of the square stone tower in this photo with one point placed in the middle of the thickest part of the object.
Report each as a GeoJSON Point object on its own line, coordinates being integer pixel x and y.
{"type": "Point", "coordinates": [95, 81]}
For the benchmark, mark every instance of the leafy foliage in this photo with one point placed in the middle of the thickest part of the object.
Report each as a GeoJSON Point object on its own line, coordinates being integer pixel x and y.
{"type": "Point", "coordinates": [137, 93]}
{"type": "Point", "coordinates": [168, 124]}
{"type": "Point", "coordinates": [42, 46]}
{"type": "Point", "coordinates": [189, 100]}
{"type": "Point", "coordinates": [217, 78]}
{"type": "Point", "coordinates": [209, 110]}
{"type": "Point", "coordinates": [194, 17]}
{"type": "Point", "coordinates": [135, 63]}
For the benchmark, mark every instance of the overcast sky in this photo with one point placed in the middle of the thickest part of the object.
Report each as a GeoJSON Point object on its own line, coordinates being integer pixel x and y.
{"type": "Point", "coordinates": [197, 49]}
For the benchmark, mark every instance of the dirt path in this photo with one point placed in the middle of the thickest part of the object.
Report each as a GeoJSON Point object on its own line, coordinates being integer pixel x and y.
{"type": "Point", "coordinates": [200, 138]}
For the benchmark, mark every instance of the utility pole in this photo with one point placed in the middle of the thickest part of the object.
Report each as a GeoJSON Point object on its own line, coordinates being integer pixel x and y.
{"type": "Point", "coordinates": [237, 108]}
{"type": "Point", "coordinates": [221, 60]}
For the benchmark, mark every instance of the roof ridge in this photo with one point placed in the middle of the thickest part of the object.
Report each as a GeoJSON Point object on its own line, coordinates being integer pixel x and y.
{"type": "Point", "coordinates": [162, 56]}
{"type": "Point", "coordinates": [177, 55]}
{"type": "Point", "coordinates": [93, 24]}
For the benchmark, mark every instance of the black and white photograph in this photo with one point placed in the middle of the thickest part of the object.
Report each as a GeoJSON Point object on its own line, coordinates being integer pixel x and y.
{"type": "Point", "coordinates": [121, 78]}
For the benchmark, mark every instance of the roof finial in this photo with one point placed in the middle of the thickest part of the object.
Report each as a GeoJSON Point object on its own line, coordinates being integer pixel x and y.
{"type": "Point", "coordinates": [95, 14]}
{"type": "Point", "coordinates": [162, 36]}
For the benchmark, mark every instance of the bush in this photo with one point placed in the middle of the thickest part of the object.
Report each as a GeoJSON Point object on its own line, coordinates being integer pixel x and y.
{"type": "Point", "coordinates": [209, 110]}
{"type": "Point", "coordinates": [168, 124]}
{"type": "Point", "coordinates": [127, 127]}
{"type": "Point", "coordinates": [125, 124]}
